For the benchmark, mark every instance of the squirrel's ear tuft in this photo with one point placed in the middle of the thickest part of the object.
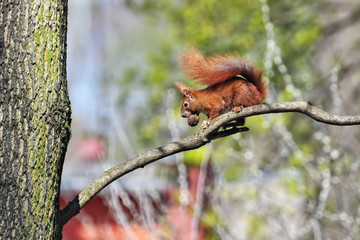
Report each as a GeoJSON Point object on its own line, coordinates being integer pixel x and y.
{"type": "Point", "coordinates": [186, 91]}
{"type": "Point", "coordinates": [181, 87]}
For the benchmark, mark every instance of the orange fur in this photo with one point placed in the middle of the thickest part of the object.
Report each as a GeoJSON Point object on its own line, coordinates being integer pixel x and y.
{"type": "Point", "coordinates": [226, 90]}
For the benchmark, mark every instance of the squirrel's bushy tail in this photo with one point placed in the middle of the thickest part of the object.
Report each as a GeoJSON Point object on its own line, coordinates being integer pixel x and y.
{"type": "Point", "coordinates": [218, 69]}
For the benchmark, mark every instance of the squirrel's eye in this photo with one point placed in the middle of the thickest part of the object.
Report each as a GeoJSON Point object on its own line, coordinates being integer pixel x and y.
{"type": "Point", "coordinates": [186, 104]}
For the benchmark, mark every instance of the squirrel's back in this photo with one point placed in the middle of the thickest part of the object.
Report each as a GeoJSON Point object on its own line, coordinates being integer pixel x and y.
{"type": "Point", "coordinates": [218, 69]}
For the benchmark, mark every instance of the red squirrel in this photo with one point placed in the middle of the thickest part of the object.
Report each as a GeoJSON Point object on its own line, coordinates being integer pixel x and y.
{"type": "Point", "coordinates": [233, 83]}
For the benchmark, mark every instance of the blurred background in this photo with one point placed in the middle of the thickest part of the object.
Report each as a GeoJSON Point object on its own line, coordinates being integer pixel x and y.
{"type": "Point", "coordinates": [289, 177]}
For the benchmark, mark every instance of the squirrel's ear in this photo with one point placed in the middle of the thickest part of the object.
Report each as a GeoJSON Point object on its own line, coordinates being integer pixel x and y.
{"type": "Point", "coordinates": [187, 93]}
{"type": "Point", "coordinates": [181, 87]}
{"type": "Point", "coordinates": [184, 90]}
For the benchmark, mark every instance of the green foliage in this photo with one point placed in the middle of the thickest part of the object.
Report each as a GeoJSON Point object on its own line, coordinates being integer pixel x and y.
{"type": "Point", "coordinates": [293, 183]}
{"type": "Point", "coordinates": [233, 173]}
{"type": "Point", "coordinates": [256, 124]}
{"type": "Point", "coordinates": [256, 231]}
{"type": "Point", "coordinates": [194, 158]}
{"type": "Point", "coordinates": [210, 219]}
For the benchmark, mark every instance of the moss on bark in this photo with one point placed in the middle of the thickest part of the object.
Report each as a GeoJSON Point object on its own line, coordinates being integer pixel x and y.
{"type": "Point", "coordinates": [35, 121]}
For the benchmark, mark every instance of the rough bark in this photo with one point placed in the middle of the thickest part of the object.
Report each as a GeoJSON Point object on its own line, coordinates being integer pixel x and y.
{"type": "Point", "coordinates": [34, 116]}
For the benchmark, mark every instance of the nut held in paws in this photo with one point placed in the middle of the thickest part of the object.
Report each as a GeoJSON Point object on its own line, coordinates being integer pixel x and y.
{"type": "Point", "coordinates": [193, 120]}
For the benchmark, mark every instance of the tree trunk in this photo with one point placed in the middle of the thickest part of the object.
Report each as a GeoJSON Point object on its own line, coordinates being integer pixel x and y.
{"type": "Point", "coordinates": [34, 117]}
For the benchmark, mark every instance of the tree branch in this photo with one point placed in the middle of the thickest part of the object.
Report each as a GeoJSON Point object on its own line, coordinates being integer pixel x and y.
{"type": "Point", "coordinates": [199, 139]}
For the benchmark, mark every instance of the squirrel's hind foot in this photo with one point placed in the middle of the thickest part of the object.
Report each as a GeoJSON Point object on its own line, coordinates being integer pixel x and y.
{"type": "Point", "coordinates": [238, 108]}
{"type": "Point", "coordinates": [205, 124]}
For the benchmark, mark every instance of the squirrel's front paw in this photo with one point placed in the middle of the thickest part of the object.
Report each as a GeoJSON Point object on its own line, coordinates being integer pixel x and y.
{"type": "Point", "coordinates": [205, 124]}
